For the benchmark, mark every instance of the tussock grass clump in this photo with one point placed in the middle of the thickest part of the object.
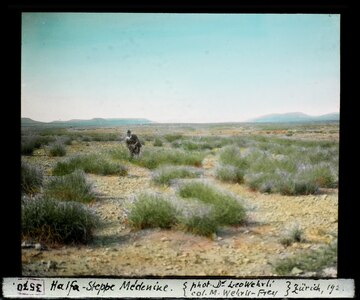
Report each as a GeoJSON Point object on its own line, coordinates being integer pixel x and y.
{"type": "Point", "coordinates": [231, 155]}
{"type": "Point", "coordinates": [52, 221]}
{"type": "Point", "coordinates": [31, 142]}
{"type": "Point", "coordinates": [283, 166]}
{"type": "Point", "coordinates": [120, 153]}
{"type": "Point", "coordinates": [165, 174]}
{"type": "Point", "coordinates": [200, 224]}
{"type": "Point", "coordinates": [151, 211]}
{"type": "Point", "coordinates": [103, 136]}
{"type": "Point", "coordinates": [173, 137]}
{"type": "Point", "coordinates": [281, 182]}
{"type": "Point", "coordinates": [226, 209]}
{"type": "Point", "coordinates": [66, 140]}
{"type": "Point", "coordinates": [152, 158]}
{"type": "Point", "coordinates": [71, 187]}
{"type": "Point", "coordinates": [201, 143]}
{"type": "Point", "coordinates": [309, 261]}
{"type": "Point", "coordinates": [57, 149]}
{"type": "Point", "coordinates": [31, 178]}
{"type": "Point", "coordinates": [89, 164]}
{"type": "Point", "coordinates": [294, 235]}
{"type": "Point", "coordinates": [229, 173]}
{"type": "Point", "coordinates": [158, 142]}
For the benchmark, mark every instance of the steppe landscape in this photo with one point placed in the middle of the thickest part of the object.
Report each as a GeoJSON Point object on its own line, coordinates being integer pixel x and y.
{"type": "Point", "coordinates": [283, 176]}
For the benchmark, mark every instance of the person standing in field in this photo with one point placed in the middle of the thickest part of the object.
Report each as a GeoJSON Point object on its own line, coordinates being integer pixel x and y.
{"type": "Point", "coordinates": [133, 144]}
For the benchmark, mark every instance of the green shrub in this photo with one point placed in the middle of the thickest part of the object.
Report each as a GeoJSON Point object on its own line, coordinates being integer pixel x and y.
{"type": "Point", "coordinates": [31, 178]}
{"type": "Point", "coordinates": [150, 211]}
{"type": "Point", "coordinates": [226, 209]}
{"type": "Point", "coordinates": [54, 221]}
{"type": "Point", "coordinates": [172, 137]}
{"type": "Point", "coordinates": [71, 187]}
{"type": "Point", "coordinates": [158, 142]}
{"type": "Point", "coordinates": [228, 173]}
{"type": "Point", "coordinates": [27, 148]}
{"type": "Point", "coordinates": [31, 142]}
{"type": "Point", "coordinates": [295, 235]}
{"type": "Point", "coordinates": [309, 261]}
{"type": "Point", "coordinates": [103, 136]}
{"type": "Point", "coordinates": [165, 174]}
{"type": "Point", "coordinates": [282, 166]}
{"type": "Point", "coordinates": [230, 155]}
{"type": "Point", "coordinates": [89, 164]}
{"type": "Point", "coordinates": [121, 153]}
{"type": "Point", "coordinates": [323, 176]}
{"type": "Point", "coordinates": [205, 225]}
{"type": "Point", "coordinates": [57, 149]}
{"type": "Point", "coordinates": [66, 140]}
{"type": "Point", "coordinates": [152, 158]}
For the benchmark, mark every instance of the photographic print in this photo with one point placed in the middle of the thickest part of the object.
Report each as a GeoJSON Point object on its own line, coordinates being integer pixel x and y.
{"type": "Point", "coordinates": [179, 144]}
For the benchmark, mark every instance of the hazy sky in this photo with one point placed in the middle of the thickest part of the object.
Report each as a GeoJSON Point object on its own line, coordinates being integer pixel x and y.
{"type": "Point", "coordinates": [178, 67]}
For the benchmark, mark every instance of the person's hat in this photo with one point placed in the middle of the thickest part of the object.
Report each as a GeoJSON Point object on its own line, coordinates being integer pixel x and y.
{"type": "Point", "coordinates": [129, 131]}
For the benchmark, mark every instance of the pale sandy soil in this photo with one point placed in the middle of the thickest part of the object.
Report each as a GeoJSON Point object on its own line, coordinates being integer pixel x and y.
{"type": "Point", "coordinates": [247, 250]}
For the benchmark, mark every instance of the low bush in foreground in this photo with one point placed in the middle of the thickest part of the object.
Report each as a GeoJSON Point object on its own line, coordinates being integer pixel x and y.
{"type": "Point", "coordinates": [120, 152]}
{"type": "Point", "coordinates": [31, 178]}
{"type": "Point", "coordinates": [89, 164]}
{"type": "Point", "coordinates": [71, 187]}
{"type": "Point", "coordinates": [226, 209]}
{"type": "Point", "coordinates": [200, 222]}
{"type": "Point", "coordinates": [54, 221]}
{"type": "Point", "coordinates": [151, 211]}
{"type": "Point", "coordinates": [57, 149]}
{"type": "Point", "coordinates": [309, 261]}
{"type": "Point", "coordinates": [165, 174]}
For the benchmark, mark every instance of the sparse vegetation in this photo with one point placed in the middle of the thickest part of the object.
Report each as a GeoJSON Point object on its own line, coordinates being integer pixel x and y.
{"type": "Point", "coordinates": [158, 142]}
{"type": "Point", "coordinates": [66, 140]}
{"type": "Point", "coordinates": [150, 211]}
{"type": "Point", "coordinates": [294, 235]}
{"type": "Point", "coordinates": [172, 137]}
{"type": "Point", "coordinates": [31, 178]}
{"type": "Point", "coordinates": [227, 210]}
{"type": "Point", "coordinates": [57, 149]}
{"type": "Point", "coordinates": [52, 221]}
{"type": "Point", "coordinates": [30, 142]}
{"type": "Point", "coordinates": [309, 261]}
{"type": "Point", "coordinates": [71, 187]}
{"type": "Point", "coordinates": [165, 174]}
{"type": "Point", "coordinates": [120, 153]}
{"type": "Point", "coordinates": [200, 224]}
{"type": "Point", "coordinates": [89, 164]}
{"type": "Point", "coordinates": [229, 173]}
{"type": "Point", "coordinates": [281, 166]}
{"type": "Point", "coordinates": [153, 158]}
{"type": "Point", "coordinates": [276, 160]}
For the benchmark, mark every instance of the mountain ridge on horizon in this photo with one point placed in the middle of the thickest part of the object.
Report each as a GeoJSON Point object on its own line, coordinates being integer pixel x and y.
{"type": "Point", "coordinates": [87, 122]}
{"type": "Point", "coordinates": [103, 122]}
{"type": "Point", "coordinates": [295, 117]}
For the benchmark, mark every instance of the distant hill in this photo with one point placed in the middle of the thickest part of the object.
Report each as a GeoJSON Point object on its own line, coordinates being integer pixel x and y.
{"type": "Point", "coordinates": [295, 117]}
{"type": "Point", "coordinates": [95, 122]}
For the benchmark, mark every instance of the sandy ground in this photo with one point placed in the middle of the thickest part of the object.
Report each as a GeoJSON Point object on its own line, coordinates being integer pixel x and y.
{"type": "Point", "coordinates": [247, 250]}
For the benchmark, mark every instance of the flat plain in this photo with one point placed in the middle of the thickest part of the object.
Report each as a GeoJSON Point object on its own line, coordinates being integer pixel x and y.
{"type": "Point", "coordinates": [287, 228]}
